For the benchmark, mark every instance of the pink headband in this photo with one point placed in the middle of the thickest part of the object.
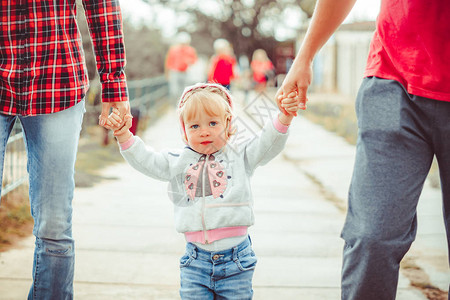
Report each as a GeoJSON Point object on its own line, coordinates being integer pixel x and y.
{"type": "Point", "coordinates": [202, 86]}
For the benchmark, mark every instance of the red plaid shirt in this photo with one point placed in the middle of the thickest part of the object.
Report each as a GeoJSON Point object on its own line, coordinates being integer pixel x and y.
{"type": "Point", "coordinates": [42, 67]}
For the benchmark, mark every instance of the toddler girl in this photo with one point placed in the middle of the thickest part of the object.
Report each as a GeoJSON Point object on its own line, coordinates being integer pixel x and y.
{"type": "Point", "coordinates": [209, 183]}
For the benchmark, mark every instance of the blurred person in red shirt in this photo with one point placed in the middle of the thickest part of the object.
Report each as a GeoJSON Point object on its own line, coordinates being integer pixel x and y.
{"type": "Point", "coordinates": [262, 69]}
{"type": "Point", "coordinates": [179, 57]}
{"type": "Point", "coordinates": [223, 64]}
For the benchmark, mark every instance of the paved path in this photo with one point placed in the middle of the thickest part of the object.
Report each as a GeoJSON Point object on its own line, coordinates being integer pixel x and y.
{"type": "Point", "coordinates": [127, 248]}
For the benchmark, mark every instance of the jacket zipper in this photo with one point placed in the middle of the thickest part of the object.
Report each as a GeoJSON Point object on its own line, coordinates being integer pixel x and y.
{"type": "Point", "coordinates": [205, 166]}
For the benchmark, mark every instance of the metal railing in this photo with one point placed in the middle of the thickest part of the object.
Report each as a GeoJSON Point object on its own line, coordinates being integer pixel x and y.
{"type": "Point", "coordinates": [144, 96]}
{"type": "Point", "coordinates": [14, 169]}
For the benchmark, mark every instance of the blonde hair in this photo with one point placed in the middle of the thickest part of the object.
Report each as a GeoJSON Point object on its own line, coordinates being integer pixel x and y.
{"type": "Point", "coordinates": [221, 45]}
{"type": "Point", "coordinates": [209, 98]}
{"type": "Point", "coordinates": [260, 54]}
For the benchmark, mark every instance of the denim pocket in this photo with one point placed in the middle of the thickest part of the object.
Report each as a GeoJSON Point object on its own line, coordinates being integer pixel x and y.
{"type": "Point", "coordinates": [247, 261]}
{"type": "Point", "coordinates": [59, 252]}
{"type": "Point", "coordinates": [186, 260]}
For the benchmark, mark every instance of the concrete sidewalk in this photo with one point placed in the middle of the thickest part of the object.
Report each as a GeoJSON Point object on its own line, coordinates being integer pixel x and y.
{"type": "Point", "coordinates": [127, 247]}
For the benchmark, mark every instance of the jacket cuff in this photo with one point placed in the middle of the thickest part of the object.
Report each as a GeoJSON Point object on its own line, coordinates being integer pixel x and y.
{"type": "Point", "coordinates": [280, 127]}
{"type": "Point", "coordinates": [127, 144]}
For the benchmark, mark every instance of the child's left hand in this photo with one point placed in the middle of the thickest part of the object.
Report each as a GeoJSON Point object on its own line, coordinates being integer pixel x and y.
{"type": "Point", "coordinates": [290, 103]}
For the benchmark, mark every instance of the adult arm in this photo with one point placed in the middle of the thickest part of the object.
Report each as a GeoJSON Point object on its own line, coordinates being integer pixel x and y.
{"type": "Point", "coordinates": [104, 19]}
{"type": "Point", "coordinates": [328, 15]}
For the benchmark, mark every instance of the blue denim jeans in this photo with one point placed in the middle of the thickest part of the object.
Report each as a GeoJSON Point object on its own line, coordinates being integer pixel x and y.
{"type": "Point", "coordinates": [224, 274]}
{"type": "Point", "coordinates": [399, 134]}
{"type": "Point", "coordinates": [51, 142]}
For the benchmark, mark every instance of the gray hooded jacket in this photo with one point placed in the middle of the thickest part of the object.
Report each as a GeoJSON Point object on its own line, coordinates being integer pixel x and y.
{"type": "Point", "coordinates": [209, 191]}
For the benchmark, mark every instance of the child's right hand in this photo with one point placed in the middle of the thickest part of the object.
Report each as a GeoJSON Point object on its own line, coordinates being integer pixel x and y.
{"type": "Point", "coordinates": [120, 126]}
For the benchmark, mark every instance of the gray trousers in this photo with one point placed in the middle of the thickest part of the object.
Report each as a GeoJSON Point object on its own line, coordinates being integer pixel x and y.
{"type": "Point", "coordinates": [399, 134]}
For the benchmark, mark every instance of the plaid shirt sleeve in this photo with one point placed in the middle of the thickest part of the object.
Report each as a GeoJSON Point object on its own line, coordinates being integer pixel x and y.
{"type": "Point", "coordinates": [105, 25]}
{"type": "Point", "coordinates": [42, 67]}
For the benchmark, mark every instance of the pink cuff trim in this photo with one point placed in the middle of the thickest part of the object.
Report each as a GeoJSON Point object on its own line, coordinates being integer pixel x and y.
{"type": "Point", "coordinates": [127, 144]}
{"type": "Point", "coordinates": [280, 127]}
{"type": "Point", "coordinates": [215, 234]}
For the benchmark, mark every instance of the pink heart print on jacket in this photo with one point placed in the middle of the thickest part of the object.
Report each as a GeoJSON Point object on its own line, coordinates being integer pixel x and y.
{"type": "Point", "coordinates": [215, 175]}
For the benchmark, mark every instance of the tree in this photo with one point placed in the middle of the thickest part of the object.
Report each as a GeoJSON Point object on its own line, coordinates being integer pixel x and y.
{"type": "Point", "coordinates": [247, 24]}
{"type": "Point", "coordinates": [145, 50]}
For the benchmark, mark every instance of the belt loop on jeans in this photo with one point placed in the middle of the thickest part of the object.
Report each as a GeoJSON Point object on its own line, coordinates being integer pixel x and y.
{"type": "Point", "coordinates": [194, 252]}
{"type": "Point", "coordinates": [235, 253]}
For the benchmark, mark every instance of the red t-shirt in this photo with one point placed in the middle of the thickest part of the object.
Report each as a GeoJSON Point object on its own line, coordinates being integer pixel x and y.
{"type": "Point", "coordinates": [412, 45]}
{"type": "Point", "coordinates": [259, 69]}
{"type": "Point", "coordinates": [222, 69]}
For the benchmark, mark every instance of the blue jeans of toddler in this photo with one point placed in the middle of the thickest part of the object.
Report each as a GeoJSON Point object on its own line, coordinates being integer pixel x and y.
{"type": "Point", "coordinates": [224, 274]}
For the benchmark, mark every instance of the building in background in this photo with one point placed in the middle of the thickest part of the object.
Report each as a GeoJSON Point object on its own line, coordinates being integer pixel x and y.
{"type": "Point", "coordinates": [340, 64]}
